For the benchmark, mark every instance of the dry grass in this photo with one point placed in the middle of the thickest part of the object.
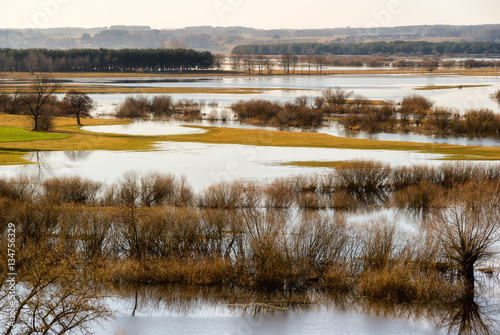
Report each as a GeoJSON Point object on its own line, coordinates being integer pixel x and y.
{"type": "Point", "coordinates": [276, 72]}
{"type": "Point", "coordinates": [446, 87]}
{"type": "Point", "coordinates": [108, 89]}
{"type": "Point", "coordinates": [260, 137]}
{"type": "Point", "coordinates": [82, 140]}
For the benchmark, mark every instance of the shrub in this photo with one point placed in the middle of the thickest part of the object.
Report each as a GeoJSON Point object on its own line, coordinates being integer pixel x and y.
{"type": "Point", "coordinates": [279, 194]}
{"type": "Point", "coordinates": [162, 106]}
{"type": "Point", "coordinates": [496, 95]}
{"type": "Point", "coordinates": [441, 120]}
{"type": "Point", "coordinates": [361, 177]}
{"type": "Point", "coordinates": [134, 106]}
{"type": "Point", "coordinates": [419, 196]}
{"type": "Point", "coordinates": [482, 122]}
{"type": "Point", "coordinates": [22, 188]}
{"type": "Point", "coordinates": [222, 195]}
{"type": "Point", "coordinates": [415, 106]}
{"type": "Point", "coordinates": [71, 189]}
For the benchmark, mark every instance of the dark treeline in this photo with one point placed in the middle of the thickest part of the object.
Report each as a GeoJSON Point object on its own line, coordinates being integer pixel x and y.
{"type": "Point", "coordinates": [371, 48]}
{"type": "Point", "coordinates": [157, 60]}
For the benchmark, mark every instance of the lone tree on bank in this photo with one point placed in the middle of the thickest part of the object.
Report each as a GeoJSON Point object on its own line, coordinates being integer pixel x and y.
{"type": "Point", "coordinates": [36, 98]}
{"type": "Point", "coordinates": [78, 104]}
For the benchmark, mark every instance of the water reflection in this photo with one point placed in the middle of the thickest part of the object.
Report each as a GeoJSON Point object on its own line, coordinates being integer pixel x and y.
{"type": "Point", "coordinates": [77, 156]}
{"type": "Point", "coordinates": [204, 164]}
{"type": "Point", "coordinates": [290, 313]}
{"type": "Point", "coordinates": [175, 127]}
{"type": "Point", "coordinates": [466, 316]}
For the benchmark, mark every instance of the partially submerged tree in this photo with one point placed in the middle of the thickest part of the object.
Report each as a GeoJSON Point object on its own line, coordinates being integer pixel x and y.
{"type": "Point", "coordinates": [430, 65]}
{"type": "Point", "coordinates": [416, 106]}
{"type": "Point", "coordinates": [78, 104]}
{"type": "Point", "coordinates": [37, 98]}
{"type": "Point", "coordinates": [469, 226]}
{"type": "Point", "coordinates": [337, 98]}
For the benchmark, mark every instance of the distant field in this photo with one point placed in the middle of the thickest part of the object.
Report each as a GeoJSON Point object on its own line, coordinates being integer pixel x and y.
{"type": "Point", "coordinates": [298, 71]}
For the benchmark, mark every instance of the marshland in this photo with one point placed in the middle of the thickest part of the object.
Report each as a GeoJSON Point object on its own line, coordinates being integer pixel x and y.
{"type": "Point", "coordinates": [255, 202]}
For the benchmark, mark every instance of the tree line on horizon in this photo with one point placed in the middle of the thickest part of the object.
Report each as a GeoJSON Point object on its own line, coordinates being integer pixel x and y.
{"type": "Point", "coordinates": [105, 60]}
{"type": "Point", "coordinates": [370, 48]}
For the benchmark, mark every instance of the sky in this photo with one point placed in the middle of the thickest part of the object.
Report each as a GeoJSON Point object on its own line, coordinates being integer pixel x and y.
{"type": "Point", "coordinates": [264, 14]}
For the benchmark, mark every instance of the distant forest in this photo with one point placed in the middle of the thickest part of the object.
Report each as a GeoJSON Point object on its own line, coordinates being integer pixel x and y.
{"type": "Point", "coordinates": [392, 48]}
{"type": "Point", "coordinates": [44, 60]}
{"type": "Point", "coordinates": [223, 39]}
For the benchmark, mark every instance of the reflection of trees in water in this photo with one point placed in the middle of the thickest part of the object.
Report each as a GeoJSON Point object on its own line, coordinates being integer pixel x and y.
{"type": "Point", "coordinates": [76, 156]}
{"type": "Point", "coordinates": [184, 299]}
{"type": "Point", "coordinates": [464, 316]}
{"type": "Point", "coordinates": [467, 316]}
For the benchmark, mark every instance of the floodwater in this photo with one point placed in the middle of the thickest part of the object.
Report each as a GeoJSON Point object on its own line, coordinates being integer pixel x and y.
{"type": "Point", "coordinates": [206, 164]}
{"type": "Point", "coordinates": [190, 310]}
{"type": "Point", "coordinates": [316, 320]}
{"type": "Point", "coordinates": [141, 127]}
{"type": "Point", "coordinates": [376, 87]}
{"type": "Point", "coordinates": [202, 164]}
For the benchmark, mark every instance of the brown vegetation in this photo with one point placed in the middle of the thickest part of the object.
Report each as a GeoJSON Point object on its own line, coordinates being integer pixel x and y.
{"type": "Point", "coordinates": [161, 106]}
{"type": "Point", "coordinates": [148, 229]}
{"type": "Point", "coordinates": [298, 114]}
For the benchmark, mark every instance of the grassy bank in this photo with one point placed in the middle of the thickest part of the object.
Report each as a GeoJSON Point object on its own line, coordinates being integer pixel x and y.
{"type": "Point", "coordinates": [69, 137]}
{"type": "Point", "coordinates": [447, 87]}
{"type": "Point", "coordinates": [110, 89]}
{"type": "Point", "coordinates": [13, 134]}
{"type": "Point", "coordinates": [260, 137]}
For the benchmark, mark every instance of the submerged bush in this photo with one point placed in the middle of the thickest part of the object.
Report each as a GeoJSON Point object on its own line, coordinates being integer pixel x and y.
{"type": "Point", "coordinates": [71, 189]}
{"type": "Point", "coordinates": [419, 196]}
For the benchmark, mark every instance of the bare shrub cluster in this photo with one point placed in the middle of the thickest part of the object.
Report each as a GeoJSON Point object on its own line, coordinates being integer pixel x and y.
{"type": "Point", "coordinates": [298, 114]}
{"type": "Point", "coordinates": [153, 229]}
{"type": "Point", "coordinates": [160, 106]}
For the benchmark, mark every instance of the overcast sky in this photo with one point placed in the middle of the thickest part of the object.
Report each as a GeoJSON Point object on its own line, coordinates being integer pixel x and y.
{"type": "Point", "coordinates": [266, 14]}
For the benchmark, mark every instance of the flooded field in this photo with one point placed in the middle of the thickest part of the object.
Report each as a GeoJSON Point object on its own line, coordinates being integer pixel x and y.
{"type": "Point", "coordinates": [205, 164]}
{"type": "Point", "coordinates": [373, 87]}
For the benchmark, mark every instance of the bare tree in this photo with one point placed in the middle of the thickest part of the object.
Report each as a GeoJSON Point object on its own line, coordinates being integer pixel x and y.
{"type": "Point", "coordinates": [309, 59]}
{"type": "Point", "coordinates": [320, 61]}
{"type": "Point", "coordinates": [337, 98]}
{"type": "Point", "coordinates": [286, 61]}
{"type": "Point", "coordinates": [430, 65]}
{"type": "Point", "coordinates": [78, 104]}
{"type": "Point", "coordinates": [236, 58]}
{"type": "Point", "coordinates": [219, 61]}
{"type": "Point", "coordinates": [36, 99]}
{"type": "Point", "coordinates": [269, 65]}
{"type": "Point", "coordinates": [56, 297]}
{"type": "Point", "coordinates": [294, 60]}
{"type": "Point", "coordinates": [249, 63]}
{"type": "Point", "coordinates": [260, 60]}
{"type": "Point", "coordinates": [469, 226]}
